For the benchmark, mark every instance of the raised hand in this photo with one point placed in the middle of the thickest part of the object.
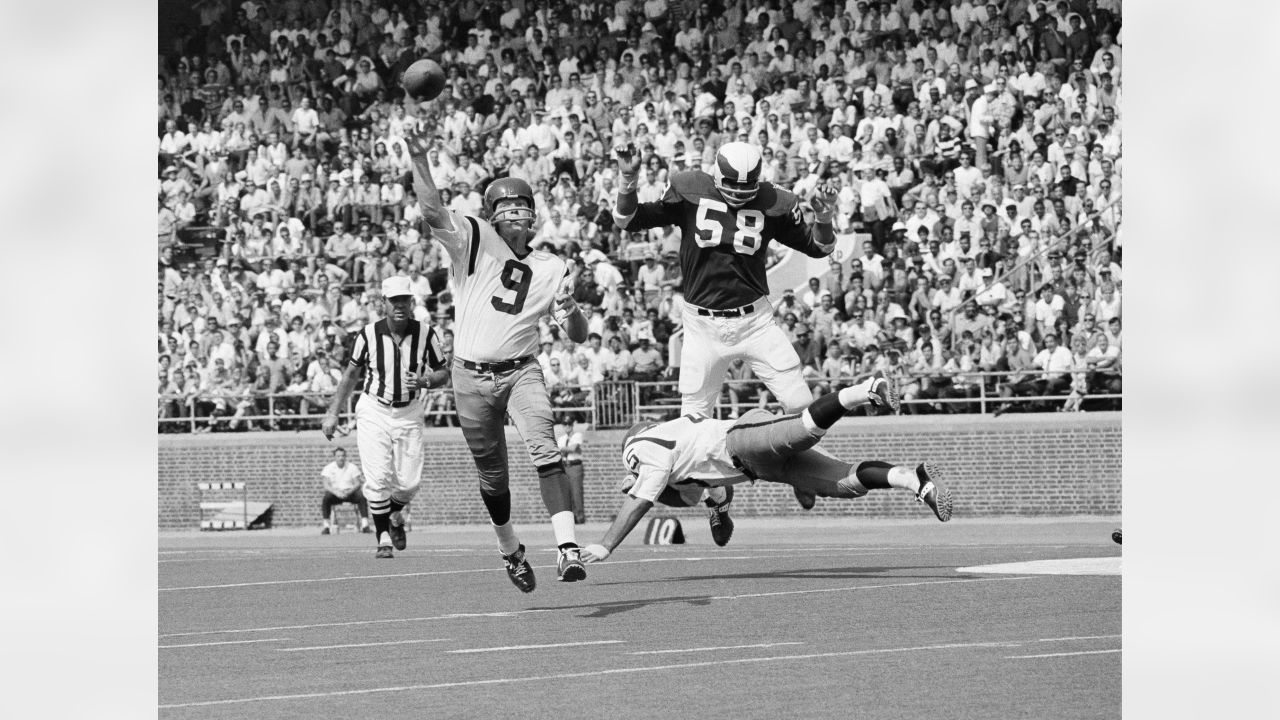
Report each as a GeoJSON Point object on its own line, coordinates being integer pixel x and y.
{"type": "Point", "coordinates": [824, 201]}
{"type": "Point", "coordinates": [628, 157]}
{"type": "Point", "coordinates": [419, 139]}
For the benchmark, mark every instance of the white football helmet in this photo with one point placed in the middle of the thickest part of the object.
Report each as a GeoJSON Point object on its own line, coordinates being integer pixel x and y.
{"type": "Point", "coordinates": [737, 172]}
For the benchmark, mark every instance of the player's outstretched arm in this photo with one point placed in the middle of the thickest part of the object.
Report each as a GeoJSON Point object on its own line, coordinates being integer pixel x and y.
{"type": "Point", "coordinates": [821, 231]}
{"type": "Point", "coordinates": [629, 515]}
{"type": "Point", "coordinates": [433, 211]}
{"type": "Point", "coordinates": [628, 157]}
{"type": "Point", "coordinates": [631, 214]}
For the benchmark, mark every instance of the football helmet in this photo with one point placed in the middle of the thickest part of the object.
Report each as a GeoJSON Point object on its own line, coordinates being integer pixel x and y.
{"type": "Point", "coordinates": [503, 189]}
{"type": "Point", "coordinates": [737, 172]}
{"type": "Point", "coordinates": [636, 430]}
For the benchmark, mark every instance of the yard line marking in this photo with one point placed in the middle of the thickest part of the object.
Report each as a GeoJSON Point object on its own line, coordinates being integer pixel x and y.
{"type": "Point", "coordinates": [1066, 654]}
{"type": "Point", "coordinates": [328, 579]}
{"type": "Point", "coordinates": [515, 613]}
{"type": "Point", "coordinates": [484, 570]}
{"type": "Point", "coordinates": [587, 674]}
{"type": "Point", "coordinates": [356, 645]}
{"type": "Point", "coordinates": [223, 642]}
{"type": "Point", "coordinates": [533, 647]}
{"type": "Point", "coordinates": [703, 649]}
{"type": "Point", "coordinates": [1079, 637]}
{"type": "Point", "coordinates": [863, 587]}
{"type": "Point", "coordinates": [349, 623]}
{"type": "Point", "coordinates": [1062, 566]}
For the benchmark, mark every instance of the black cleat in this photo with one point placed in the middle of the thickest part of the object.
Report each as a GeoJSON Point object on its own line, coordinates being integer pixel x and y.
{"type": "Point", "coordinates": [519, 570]}
{"type": "Point", "coordinates": [932, 492]}
{"type": "Point", "coordinates": [384, 552]}
{"type": "Point", "coordinates": [1115, 535]}
{"type": "Point", "coordinates": [721, 523]}
{"type": "Point", "coordinates": [367, 529]}
{"type": "Point", "coordinates": [805, 498]}
{"type": "Point", "coordinates": [397, 531]}
{"type": "Point", "coordinates": [569, 567]}
{"type": "Point", "coordinates": [324, 531]}
{"type": "Point", "coordinates": [884, 393]}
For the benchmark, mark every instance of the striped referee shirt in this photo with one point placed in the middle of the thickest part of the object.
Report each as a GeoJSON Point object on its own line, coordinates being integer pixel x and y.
{"type": "Point", "coordinates": [385, 361]}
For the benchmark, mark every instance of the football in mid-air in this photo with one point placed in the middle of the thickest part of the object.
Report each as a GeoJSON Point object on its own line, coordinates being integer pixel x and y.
{"type": "Point", "coordinates": [423, 80]}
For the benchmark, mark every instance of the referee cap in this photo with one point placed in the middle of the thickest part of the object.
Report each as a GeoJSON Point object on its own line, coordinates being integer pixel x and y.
{"type": "Point", "coordinates": [395, 286]}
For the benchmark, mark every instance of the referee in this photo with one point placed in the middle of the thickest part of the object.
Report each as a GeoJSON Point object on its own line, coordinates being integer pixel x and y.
{"type": "Point", "coordinates": [399, 358]}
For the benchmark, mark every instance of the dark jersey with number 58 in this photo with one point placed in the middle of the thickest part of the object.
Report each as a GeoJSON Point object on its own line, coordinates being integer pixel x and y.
{"type": "Point", "coordinates": [722, 249]}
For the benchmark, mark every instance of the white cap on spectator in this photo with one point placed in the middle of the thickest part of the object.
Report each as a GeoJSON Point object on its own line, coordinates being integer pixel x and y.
{"type": "Point", "coordinates": [396, 286]}
{"type": "Point", "coordinates": [987, 272]}
{"type": "Point", "coordinates": [990, 88]}
{"type": "Point", "coordinates": [970, 84]}
{"type": "Point", "coordinates": [899, 226]}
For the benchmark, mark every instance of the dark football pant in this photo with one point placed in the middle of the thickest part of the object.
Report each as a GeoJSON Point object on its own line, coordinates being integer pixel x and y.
{"type": "Point", "coordinates": [483, 401]}
{"type": "Point", "coordinates": [778, 448]}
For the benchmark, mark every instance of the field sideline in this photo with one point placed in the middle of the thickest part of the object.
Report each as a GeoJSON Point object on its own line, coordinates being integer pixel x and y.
{"type": "Point", "coordinates": [795, 618]}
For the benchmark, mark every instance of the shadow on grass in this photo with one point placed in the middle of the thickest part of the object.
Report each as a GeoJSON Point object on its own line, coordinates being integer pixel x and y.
{"type": "Point", "coordinates": [613, 608]}
{"type": "Point", "coordinates": [846, 573]}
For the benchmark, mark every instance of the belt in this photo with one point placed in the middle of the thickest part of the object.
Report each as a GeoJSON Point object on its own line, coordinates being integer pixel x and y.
{"type": "Point", "coordinates": [388, 403]}
{"type": "Point", "coordinates": [732, 312]}
{"type": "Point", "coordinates": [497, 367]}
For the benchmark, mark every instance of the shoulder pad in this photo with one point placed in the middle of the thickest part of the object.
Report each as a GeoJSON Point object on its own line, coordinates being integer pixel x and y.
{"type": "Point", "coordinates": [691, 185]}
{"type": "Point", "coordinates": [774, 201]}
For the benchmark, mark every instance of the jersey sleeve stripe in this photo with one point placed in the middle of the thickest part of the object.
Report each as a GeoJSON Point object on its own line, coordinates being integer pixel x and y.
{"type": "Point", "coordinates": [475, 245]}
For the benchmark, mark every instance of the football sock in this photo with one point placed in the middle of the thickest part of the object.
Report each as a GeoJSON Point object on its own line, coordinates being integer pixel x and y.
{"type": "Point", "coordinates": [396, 506]}
{"type": "Point", "coordinates": [875, 474]}
{"type": "Point", "coordinates": [562, 526]}
{"type": "Point", "coordinates": [716, 496]}
{"type": "Point", "coordinates": [507, 540]}
{"type": "Point", "coordinates": [554, 484]}
{"type": "Point", "coordinates": [381, 523]}
{"type": "Point", "coordinates": [499, 506]}
{"type": "Point", "coordinates": [824, 412]}
{"type": "Point", "coordinates": [856, 395]}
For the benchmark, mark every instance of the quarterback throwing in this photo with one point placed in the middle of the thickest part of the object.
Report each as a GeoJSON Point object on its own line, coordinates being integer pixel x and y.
{"type": "Point", "coordinates": [504, 287]}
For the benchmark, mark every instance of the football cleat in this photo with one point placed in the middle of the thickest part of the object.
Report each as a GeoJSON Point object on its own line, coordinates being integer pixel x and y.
{"type": "Point", "coordinates": [519, 570]}
{"type": "Point", "coordinates": [805, 498]}
{"type": "Point", "coordinates": [883, 392]}
{"type": "Point", "coordinates": [367, 529]}
{"type": "Point", "coordinates": [504, 189]}
{"type": "Point", "coordinates": [1117, 536]}
{"type": "Point", "coordinates": [397, 531]}
{"type": "Point", "coordinates": [737, 172]}
{"type": "Point", "coordinates": [932, 492]}
{"type": "Point", "coordinates": [569, 567]}
{"type": "Point", "coordinates": [718, 516]}
{"type": "Point", "coordinates": [324, 531]}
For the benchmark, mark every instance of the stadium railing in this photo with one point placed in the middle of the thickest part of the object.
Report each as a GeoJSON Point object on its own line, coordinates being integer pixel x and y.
{"type": "Point", "coordinates": [610, 404]}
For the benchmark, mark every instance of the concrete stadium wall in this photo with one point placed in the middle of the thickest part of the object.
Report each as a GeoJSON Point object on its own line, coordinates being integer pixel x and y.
{"type": "Point", "coordinates": [1035, 464]}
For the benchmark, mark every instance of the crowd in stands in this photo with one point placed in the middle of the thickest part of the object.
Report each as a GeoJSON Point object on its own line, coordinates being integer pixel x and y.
{"type": "Point", "coordinates": [977, 148]}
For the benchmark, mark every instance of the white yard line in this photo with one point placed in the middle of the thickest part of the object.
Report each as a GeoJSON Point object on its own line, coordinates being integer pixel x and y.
{"type": "Point", "coordinates": [577, 675]}
{"type": "Point", "coordinates": [708, 649]}
{"type": "Point", "coordinates": [358, 645]}
{"type": "Point", "coordinates": [1066, 654]}
{"type": "Point", "coordinates": [224, 642]}
{"type": "Point", "coordinates": [532, 647]}
{"type": "Point", "coordinates": [515, 613]}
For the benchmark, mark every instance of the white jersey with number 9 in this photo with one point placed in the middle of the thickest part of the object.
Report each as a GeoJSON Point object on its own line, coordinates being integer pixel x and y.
{"type": "Point", "coordinates": [500, 297]}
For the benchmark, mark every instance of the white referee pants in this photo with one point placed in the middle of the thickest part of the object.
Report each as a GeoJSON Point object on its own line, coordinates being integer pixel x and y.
{"type": "Point", "coordinates": [391, 449]}
{"type": "Point", "coordinates": [712, 343]}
